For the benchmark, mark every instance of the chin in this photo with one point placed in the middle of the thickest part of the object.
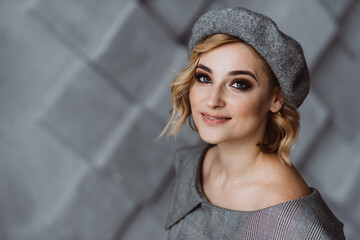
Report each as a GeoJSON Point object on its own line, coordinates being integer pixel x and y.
{"type": "Point", "coordinates": [211, 138]}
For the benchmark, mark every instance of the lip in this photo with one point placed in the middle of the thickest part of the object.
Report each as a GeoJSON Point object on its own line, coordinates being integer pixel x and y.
{"type": "Point", "coordinates": [214, 120]}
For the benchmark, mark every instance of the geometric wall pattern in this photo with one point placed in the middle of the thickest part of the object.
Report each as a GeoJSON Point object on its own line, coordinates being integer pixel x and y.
{"type": "Point", "coordinates": [85, 91]}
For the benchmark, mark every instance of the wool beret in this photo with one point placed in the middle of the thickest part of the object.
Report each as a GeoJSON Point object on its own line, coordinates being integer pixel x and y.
{"type": "Point", "coordinates": [284, 55]}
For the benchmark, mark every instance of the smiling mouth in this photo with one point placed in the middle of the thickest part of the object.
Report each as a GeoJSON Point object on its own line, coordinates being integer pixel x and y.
{"type": "Point", "coordinates": [215, 118]}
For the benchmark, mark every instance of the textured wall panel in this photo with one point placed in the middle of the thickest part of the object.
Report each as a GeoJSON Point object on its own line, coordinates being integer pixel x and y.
{"type": "Point", "coordinates": [32, 232]}
{"type": "Point", "coordinates": [95, 211]}
{"type": "Point", "coordinates": [350, 33]}
{"type": "Point", "coordinates": [356, 201]}
{"type": "Point", "coordinates": [38, 174]}
{"type": "Point", "coordinates": [336, 7]}
{"type": "Point", "coordinates": [84, 112]}
{"type": "Point", "coordinates": [334, 166]}
{"type": "Point", "coordinates": [138, 54]}
{"type": "Point", "coordinates": [97, 76]}
{"type": "Point", "coordinates": [29, 65]}
{"type": "Point", "coordinates": [150, 229]}
{"type": "Point", "coordinates": [336, 83]}
{"type": "Point", "coordinates": [160, 99]}
{"type": "Point", "coordinates": [158, 207]}
{"type": "Point", "coordinates": [35, 170]}
{"type": "Point", "coordinates": [176, 15]}
{"type": "Point", "coordinates": [140, 162]}
{"type": "Point", "coordinates": [352, 231]}
{"type": "Point", "coordinates": [10, 14]}
{"type": "Point", "coordinates": [83, 24]}
{"type": "Point", "coordinates": [313, 118]}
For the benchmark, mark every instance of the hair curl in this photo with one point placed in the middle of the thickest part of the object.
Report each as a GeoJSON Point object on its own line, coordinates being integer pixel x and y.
{"type": "Point", "coordinates": [282, 128]}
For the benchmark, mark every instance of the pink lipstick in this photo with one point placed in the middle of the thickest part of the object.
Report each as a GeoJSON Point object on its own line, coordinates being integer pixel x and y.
{"type": "Point", "coordinates": [214, 120]}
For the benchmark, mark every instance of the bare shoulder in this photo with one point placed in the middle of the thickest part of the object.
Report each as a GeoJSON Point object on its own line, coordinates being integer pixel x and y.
{"type": "Point", "coordinates": [272, 183]}
{"type": "Point", "coordinates": [283, 183]}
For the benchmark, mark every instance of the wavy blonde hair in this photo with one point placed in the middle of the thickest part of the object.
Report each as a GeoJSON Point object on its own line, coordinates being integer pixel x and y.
{"type": "Point", "coordinates": [282, 128]}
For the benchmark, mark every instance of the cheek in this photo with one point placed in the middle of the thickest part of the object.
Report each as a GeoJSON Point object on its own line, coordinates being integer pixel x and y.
{"type": "Point", "coordinates": [191, 97]}
{"type": "Point", "coordinates": [247, 105]}
{"type": "Point", "coordinates": [194, 96]}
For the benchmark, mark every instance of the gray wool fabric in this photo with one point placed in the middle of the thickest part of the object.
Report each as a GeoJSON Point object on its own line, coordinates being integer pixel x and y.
{"type": "Point", "coordinates": [283, 54]}
{"type": "Point", "coordinates": [192, 216]}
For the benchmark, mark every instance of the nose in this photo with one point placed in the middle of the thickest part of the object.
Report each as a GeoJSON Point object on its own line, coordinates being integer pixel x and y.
{"type": "Point", "coordinates": [215, 97]}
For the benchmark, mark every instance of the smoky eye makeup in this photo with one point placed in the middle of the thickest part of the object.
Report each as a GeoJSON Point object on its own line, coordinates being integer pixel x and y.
{"type": "Point", "coordinates": [202, 78]}
{"type": "Point", "coordinates": [241, 84]}
{"type": "Point", "coordinates": [238, 84]}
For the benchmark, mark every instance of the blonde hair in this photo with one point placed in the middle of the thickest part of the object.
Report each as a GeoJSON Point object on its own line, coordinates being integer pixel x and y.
{"type": "Point", "coordinates": [282, 128]}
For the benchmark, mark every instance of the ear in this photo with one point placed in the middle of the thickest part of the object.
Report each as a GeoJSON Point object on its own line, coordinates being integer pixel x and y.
{"type": "Point", "coordinates": [277, 100]}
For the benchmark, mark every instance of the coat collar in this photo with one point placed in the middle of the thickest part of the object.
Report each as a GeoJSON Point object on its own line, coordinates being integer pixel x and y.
{"type": "Point", "coordinates": [185, 194]}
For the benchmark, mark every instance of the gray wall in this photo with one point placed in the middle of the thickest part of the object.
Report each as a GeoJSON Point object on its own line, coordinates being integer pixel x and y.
{"type": "Point", "coordinates": [84, 91]}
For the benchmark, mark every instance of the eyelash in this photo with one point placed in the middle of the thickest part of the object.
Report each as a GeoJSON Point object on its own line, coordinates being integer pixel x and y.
{"type": "Point", "coordinates": [199, 76]}
{"type": "Point", "coordinates": [245, 85]}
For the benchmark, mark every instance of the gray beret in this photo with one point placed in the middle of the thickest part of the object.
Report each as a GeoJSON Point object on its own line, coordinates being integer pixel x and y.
{"type": "Point", "coordinates": [283, 54]}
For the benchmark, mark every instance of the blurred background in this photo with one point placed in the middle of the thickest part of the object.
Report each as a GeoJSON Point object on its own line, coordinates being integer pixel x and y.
{"type": "Point", "coordinates": [85, 90]}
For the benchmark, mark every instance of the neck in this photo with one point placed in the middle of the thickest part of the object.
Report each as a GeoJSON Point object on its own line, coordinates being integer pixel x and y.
{"type": "Point", "coordinates": [235, 161]}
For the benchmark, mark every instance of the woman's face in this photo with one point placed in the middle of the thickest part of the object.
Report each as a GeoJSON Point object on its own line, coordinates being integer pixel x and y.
{"type": "Point", "coordinates": [230, 98]}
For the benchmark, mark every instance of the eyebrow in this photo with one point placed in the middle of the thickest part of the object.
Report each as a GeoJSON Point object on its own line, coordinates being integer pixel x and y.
{"type": "Point", "coordinates": [232, 73]}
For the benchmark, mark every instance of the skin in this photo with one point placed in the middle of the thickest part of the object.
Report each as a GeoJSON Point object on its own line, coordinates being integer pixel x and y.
{"type": "Point", "coordinates": [235, 173]}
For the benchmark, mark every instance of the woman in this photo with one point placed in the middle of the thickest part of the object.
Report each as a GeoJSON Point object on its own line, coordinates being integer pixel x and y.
{"type": "Point", "coordinates": [242, 86]}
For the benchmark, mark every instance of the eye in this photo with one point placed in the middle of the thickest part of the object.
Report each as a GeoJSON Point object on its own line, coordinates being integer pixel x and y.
{"type": "Point", "coordinates": [202, 78]}
{"type": "Point", "coordinates": [241, 84]}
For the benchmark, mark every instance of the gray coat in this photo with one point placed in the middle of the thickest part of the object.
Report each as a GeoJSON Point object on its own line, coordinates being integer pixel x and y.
{"type": "Point", "coordinates": [192, 216]}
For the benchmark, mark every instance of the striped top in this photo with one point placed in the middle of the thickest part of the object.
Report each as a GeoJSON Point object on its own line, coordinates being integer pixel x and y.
{"type": "Point", "coordinates": [192, 216]}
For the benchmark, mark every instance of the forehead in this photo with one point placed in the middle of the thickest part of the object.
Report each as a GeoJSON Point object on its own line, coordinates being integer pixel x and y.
{"type": "Point", "coordinates": [233, 56]}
